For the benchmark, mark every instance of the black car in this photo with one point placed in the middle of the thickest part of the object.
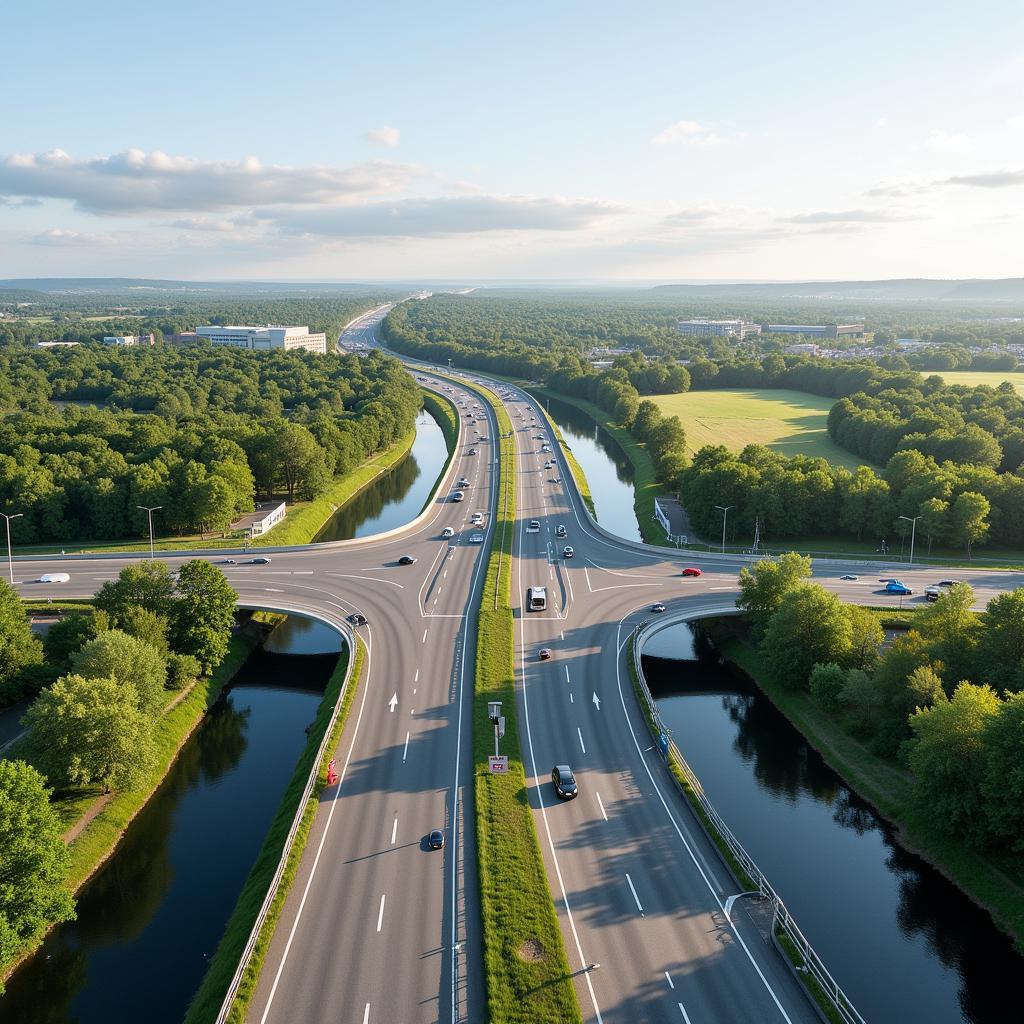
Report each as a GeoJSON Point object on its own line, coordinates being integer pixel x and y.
{"type": "Point", "coordinates": [357, 619]}
{"type": "Point", "coordinates": [259, 561]}
{"type": "Point", "coordinates": [436, 839]}
{"type": "Point", "coordinates": [564, 781]}
{"type": "Point", "coordinates": [407, 560]}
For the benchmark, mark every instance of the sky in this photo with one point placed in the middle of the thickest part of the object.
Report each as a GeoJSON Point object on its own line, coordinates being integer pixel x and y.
{"type": "Point", "coordinates": [561, 141]}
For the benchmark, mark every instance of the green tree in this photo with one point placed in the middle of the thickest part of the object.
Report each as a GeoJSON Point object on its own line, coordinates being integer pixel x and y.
{"type": "Point", "coordinates": [999, 655]}
{"type": "Point", "coordinates": [19, 647]}
{"type": "Point", "coordinates": [950, 628]}
{"type": "Point", "coordinates": [69, 634]}
{"type": "Point", "coordinates": [866, 636]}
{"type": "Point", "coordinates": [946, 755]}
{"type": "Point", "coordinates": [811, 626]}
{"type": "Point", "coordinates": [934, 520]}
{"type": "Point", "coordinates": [968, 519]}
{"type": "Point", "coordinates": [145, 625]}
{"type": "Point", "coordinates": [203, 614]}
{"type": "Point", "coordinates": [130, 662]}
{"type": "Point", "coordinates": [34, 863]}
{"type": "Point", "coordinates": [1002, 779]}
{"type": "Point", "coordinates": [84, 732]}
{"type": "Point", "coordinates": [826, 685]}
{"type": "Point", "coordinates": [146, 583]}
{"type": "Point", "coordinates": [182, 669]}
{"type": "Point", "coordinates": [763, 587]}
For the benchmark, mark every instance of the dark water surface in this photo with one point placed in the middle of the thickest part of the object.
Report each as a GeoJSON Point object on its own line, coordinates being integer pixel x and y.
{"type": "Point", "coordinates": [398, 496]}
{"type": "Point", "coordinates": [609, 473]}
{"type": "Point", "coordinates": [155, 911]}
{"type": "Point", "coordinates": [905, 944]}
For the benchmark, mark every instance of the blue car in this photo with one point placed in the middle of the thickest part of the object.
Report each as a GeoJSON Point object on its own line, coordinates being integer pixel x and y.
{"type": "Point", "coordinates": [897, 588]}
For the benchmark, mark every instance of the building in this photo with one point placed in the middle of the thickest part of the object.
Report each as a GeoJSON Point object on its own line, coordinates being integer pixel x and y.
{"type": "Point", "coordinates": [259, 522]}
{"type": "Point", "coordinates": [262, 339]}
{"type": "Point", "coordinates": [128, 340]}
{"type": "Point", "coordinates": [719, 328]}
{"type": "Point", "coordinates": [57, 344]}
{"type": "Point", "coordinates": [805, 348]}
{"type": "Point", "coordinates": [816, 330]}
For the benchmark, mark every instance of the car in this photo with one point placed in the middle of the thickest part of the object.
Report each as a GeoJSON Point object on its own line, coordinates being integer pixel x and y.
{"type": "Point", "coordinates": [567, 551]}
{"type": "Point", "coordinates": [948, 583]}
{"type": "Point", "coordinates": [556, 479]}
{"type": "Point", "coordinates": [258, 561]}
{"type": "Point", "coordinates": [849, 576]}
{"type": "Point", "coordinates": [482, 438]}
{"type": "Point", "coordinates": [897, 588]}
{"type": "Point", "coordinates": [533, 526]}
{"type": "Point", "coordinates": [448, 532]}
{"type": "Point", "coordinates": [560, 530]}
{"type": "Point", "coordinates": [421, 379]}
{"type": "Point", "coordinates": [227, 561]}
{"type": "Point", "coordinates": [458, 496]}
{"type": "Point", "coordinates": [476, 538]}
{"type": "Point", "coordinates": [55, 577]}
{"type": "Point", "coordinates": [691, 570]}
{"type": "Point", "coordinates": [463, 482]}
{"type": "Point", "coordinates": [406, 560]}
{"type": "Point", "coordinates": [545, 448]}
{"type": "Point", "coordinates": [436, 839]}
{"type": "Point", "coordinates": [544, 653]}
{"type": "Point", "coordinates": [657, 607]}
{"type": "Point", "coordinates": [472, 451]}
{"type": "Point", "coordinates": [932, 593]}
{"type": "Point", "coordinates": [888, 579]}
{"type": "Point", "coordinates": [357, 619]}
{"type": "Point", "coordinates": [564, 782]}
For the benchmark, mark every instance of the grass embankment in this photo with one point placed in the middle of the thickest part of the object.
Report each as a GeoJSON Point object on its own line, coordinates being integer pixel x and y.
{"type": "Point", "coordinates": [575, 468]}
{"type": "Point", "coordinates": [515, 899]}
{"type": "Point", "coordinates": [995, 883]}
{"type": "Point", "coordinates": [100, 837]}
{"type": "Point", "coordinates": [207, 1001]}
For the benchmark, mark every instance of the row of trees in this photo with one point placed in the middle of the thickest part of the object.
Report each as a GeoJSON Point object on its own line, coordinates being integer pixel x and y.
{"type": "Point", "coordinates": [914, 701]}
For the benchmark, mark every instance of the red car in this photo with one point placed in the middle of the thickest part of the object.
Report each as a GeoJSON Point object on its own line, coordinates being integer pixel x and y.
{"type": "Point", "coordinates": [691, 571]}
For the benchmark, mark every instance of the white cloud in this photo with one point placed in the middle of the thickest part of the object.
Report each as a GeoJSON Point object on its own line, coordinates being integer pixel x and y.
{"type": "Point", "coordinates": [204, 224]}
{"type": "Point", "coordinates": [1007, 177]}
{"type": "Point", "coordinates": [881, 122]}
{"type": "Point", "coordinates": [1015, 123]}
{"type": "Point", "coordinates": [848, 217]}
{"type": "Point", "coordinates": [384, 136]}
{"type": "Point", "coordinates": [138, 182]}
{"type": "Point", "coordinates": [60, 237]}
{"type": "Point", "coordinates": [689, 133]}
{"type": "Point", "coordinates": [948, 142]}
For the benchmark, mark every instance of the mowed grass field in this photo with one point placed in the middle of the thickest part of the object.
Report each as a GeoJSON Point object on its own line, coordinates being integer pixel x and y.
{"type": "Point", "coordinates": [972, 378]}
{"type": "Point", "coordinates": [790, 422]}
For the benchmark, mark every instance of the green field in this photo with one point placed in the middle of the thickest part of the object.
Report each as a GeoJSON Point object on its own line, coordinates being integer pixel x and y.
{"type": "Point", "coordinates": [972, 378]}
{"type": "Point", "coordinates": [790, 422]}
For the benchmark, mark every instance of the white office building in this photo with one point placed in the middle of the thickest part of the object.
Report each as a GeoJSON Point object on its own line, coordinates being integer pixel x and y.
{"type": "Point", "coordinates": [128, 340]}
{"type": "Point", "coordinates": [262, 339]}
{"type": "Point", "coordinates": [718, 328]}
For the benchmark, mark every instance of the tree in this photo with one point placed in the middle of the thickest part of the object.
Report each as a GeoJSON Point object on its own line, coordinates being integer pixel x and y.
{"type": "Point", "coordinates": [934, 520]}
{"type": "Point", "coordinates": [84, 732]}
{"type": "Point", "coordinates": [147, 583]}
{"type": "Point", "coordinates": [969, 519]}
{"type": "Point", "coordinates": [999, 654]}
{"type": "Point", "coordinates": [763, 587]}
{"type": "Point", "coordinates": [182, 669]}
{"type": "Point", "coordinates": [810, 627]}
{"type": "Point", "coordinates": [826, 685]}
{"type": "Point", "coordinates": [1002, 778]}
{"type": "Point", "coordinates": [950, 629]}
{"type": "Point", "coordinates": [946, 755]}
{"type": "Point", "coordinates": [130, 662]}
{"type": "Point", "coordinates": [865, 503]}
{"type": "Point", "coordinates": [146, 625]}
{"type": "Point", "coordinates": [19, 647]}
{"type": "Point", "coordinates": [34, 868]}
{"type": "Point", "coordinates": [204, 613]}
{"type": "Point", "coordinates": [69, 634]}
{"type": "Point", "coordinates": [866, 636]}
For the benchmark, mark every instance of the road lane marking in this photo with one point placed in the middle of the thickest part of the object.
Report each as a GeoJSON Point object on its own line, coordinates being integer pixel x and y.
{"type": "Point", "coordinates": [380, 913]}
{"type": "Point", "coordinates": [597, 701]}
{"type": "Point", "coordinates": [416, 678]}
{"type": "Point", "coordinates": [393, 703]}
{"type": "Point", "coordinates": [632, 889]}
{"type": "Point", "coordinates": [604, 814]}
{"type": "Point", "coordinates": [405, 753]}
{"type": "Point", "coordinates": [273, 590]}
{"type": "Point", "coordinates": [721, 588]}
{"type": "Point", "coordinates": [682, 1010]}
{"type": "Point", "coordinates": [571, 701]}
{"type": "Point", "coordinates": [366, 1014]}
{"type": "Point", "coordinates": [668, 977]}
{"type": "Point", "coordinates": [424, 640]}
{"type": "Point", "coordinates": [578, 733]}
{"type": "Point", "coordinates": [394, 831]}
{"type": "Point", "coordinates": [566, 667]}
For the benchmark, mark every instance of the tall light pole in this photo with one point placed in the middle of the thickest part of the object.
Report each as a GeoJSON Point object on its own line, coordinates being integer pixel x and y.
{"type": "Point", "coordinates": [724, 509]}
{"type": "Point", "coordinates": [10, 559]}
{"type": "Point", "coordinates": [913, 530]}
{"type": "Point", "coordinates": [149, 511]}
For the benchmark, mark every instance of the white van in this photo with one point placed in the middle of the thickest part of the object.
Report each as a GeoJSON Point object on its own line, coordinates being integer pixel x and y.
{"type": "Point", "coordinates": [55, 577]}
{"type": "Point", "coordinates": [536, 599]}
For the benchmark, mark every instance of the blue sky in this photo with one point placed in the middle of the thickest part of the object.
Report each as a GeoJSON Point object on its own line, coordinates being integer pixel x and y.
{"type": "Point", "coordinates": [571, 140]}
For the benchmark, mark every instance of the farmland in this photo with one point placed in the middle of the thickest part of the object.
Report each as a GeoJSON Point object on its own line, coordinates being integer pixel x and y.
{"type": "Point", "coordinates": [790, 422]}
{"type": "Point", "coordinates": [972, 378]}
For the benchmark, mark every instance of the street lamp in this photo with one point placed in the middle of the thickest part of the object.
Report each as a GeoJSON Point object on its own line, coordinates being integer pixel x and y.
{"type": "Point", "coordinates": [149, 511]}
{"type": "Point", "coordinates": [724, 509]}
{"type": "Point", "coordinates": [913, 530]}
{"type": "Point", "coordinates": [10, 560]}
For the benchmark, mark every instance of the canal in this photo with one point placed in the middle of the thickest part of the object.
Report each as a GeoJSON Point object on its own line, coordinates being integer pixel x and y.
{"type": "Point", "coordinates": [397, 497]}
{"type": "Point", "coordinates": [905, 944]}
{"type": "Point", "coordinates": [153, 914]}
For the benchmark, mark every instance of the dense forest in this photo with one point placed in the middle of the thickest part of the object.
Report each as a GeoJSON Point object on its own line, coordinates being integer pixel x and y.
{"type": "Point", "coordinates": [199, 431]}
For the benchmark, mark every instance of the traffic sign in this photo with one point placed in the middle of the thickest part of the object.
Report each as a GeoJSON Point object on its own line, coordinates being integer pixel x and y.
{"type": "Point", "coordinates": [498, 765]}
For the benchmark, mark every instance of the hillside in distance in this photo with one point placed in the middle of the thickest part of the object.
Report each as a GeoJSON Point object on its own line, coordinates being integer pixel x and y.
{"type": "Point", "coordinates": [911, 289]}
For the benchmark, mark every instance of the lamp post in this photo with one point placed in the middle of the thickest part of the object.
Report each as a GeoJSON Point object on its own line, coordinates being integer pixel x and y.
{"type": "Point", "coordinates": [149, 511]}
{"type": "Point", "coordinates": [724, 509]}
{"type": "Point", "coordinates": [10, 559]}
{"type": "Point", "coordinates": [913, 531]}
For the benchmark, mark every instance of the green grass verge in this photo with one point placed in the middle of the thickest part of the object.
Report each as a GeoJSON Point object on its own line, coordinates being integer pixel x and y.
{"type": "Point", "coordinates": [995, 883]}
{"type": "Point", "coordinates": [515, 898]}
{"type": "Point", "coordinates": [812, 984]}
{"type": "Point", "coordinates": [207, 1001]}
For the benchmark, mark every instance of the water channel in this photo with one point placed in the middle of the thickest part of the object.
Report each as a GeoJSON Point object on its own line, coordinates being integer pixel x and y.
{"type": "Point", "coordinates": [905, 944]}
{"type": "Point", "coordinates": [152, 915]}
{"type": "Point", "coordinates": [398, 496]}
{"type": "Point", "coordinates": [609, 473]}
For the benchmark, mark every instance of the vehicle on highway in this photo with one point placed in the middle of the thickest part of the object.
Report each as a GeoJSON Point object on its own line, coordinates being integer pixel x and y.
{"type": "Point", "coordinates": [545, 448]}
{"type": "Point", "coordinates": [448, 531]}
{"type": "Point", "coordinates": [357, 619]}
{"type": "Point", "coordinates": [657, 607]}
{"type": "Point", "coordinates": [55, 577]}
{"type": "Point", "coordinates": [458, 496]}
{"type": "Point", "coordinates": [560, 530]}
{"type": "Point", "coordinates": [536, 599]}
{"type": "Point", "coordinates": [948, 583]}
{"type": "Point", "coordinates": [476, 538]}
{"type": "Point", "coordinates": [564, 782]}
{"type": "Point", "coordinates": [849, 576]}
{"type": "Point", "coordinates": [690, 570]}
{"type": "Point", "coordinates": [567, 551]}
{"type": "Point", "coordinates": [888, 579]}
{"type": "Point", "coordinates": [932, 593]}
{"type": "Point", "coordinates": [436, 839]}
{"type": "Point", "coordinates": [262, 560]}
{"type": "Point", "coordinates": [897, 588]}
{"type": "Point", "coordinates": [533, 526]}
{"type": "Point", "coordinates": [225, 561]}
{"type": "Point", "coordinates": [463, 482]}
{"type": "Point", "coordinates": [406, 560]}
{"type": "Point", "coordinates": [544, 653]}
{"type": "Point", "coordinates": [476, 519]}
{"type": "Point", "coordinates": [472, 451]}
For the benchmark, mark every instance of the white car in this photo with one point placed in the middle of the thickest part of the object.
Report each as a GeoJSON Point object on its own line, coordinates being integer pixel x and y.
{"type": "Point", "coordinates": [54, 577]}
{"type": "Point", "coordinates": [533, 526]}
{"type": "Point", "coordinates": [447, 532]}
{"type": "Point", "coordinates": [545, 448]}
{"type": "Point", "coordinates": [463, 482]}
{"type": "Point", "coordinates": [560, 530]}
{"type": "Point", "coordinates": [476, 538]}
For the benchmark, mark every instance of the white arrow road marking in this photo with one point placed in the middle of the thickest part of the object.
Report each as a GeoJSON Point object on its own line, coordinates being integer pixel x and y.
{"type": "Point", "coordinates": [632, 889]}
{"type": "Point", "coordinates": [393, 702]}
{"type": "Point", "coordinates": [597, 701]}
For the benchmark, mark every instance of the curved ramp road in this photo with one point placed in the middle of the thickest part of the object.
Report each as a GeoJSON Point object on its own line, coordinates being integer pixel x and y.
{"type": "Point", "coordinates": [377, 927]}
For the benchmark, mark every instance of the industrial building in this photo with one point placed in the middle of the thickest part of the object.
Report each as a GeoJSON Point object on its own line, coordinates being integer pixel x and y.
{"type": "Point", "coordinates": [816, 330]}
{"type": "Point", "coordinates": [128, 340]}
{"type": "Point", "coordinates": [720, 328]}
{"type": "Point", "coordinates": [262, 339]}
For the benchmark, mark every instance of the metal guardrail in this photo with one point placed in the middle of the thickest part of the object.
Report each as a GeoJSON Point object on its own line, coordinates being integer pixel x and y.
{"type": "Point", "coordinates": [782, 920]}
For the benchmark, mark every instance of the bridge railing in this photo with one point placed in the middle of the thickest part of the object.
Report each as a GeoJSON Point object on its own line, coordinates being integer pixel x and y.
{"type": "Point", "coordinates": [812, 965]}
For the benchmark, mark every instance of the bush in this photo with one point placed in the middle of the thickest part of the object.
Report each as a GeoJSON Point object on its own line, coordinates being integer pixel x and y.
{"type": "Point", "coordinates": [182, 669]}
{"type": "Point", "coordinates": [826, 685]}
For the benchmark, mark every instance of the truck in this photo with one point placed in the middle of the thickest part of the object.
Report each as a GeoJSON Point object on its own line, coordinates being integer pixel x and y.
{"type": "Point", "coordinates": [536, 599]}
